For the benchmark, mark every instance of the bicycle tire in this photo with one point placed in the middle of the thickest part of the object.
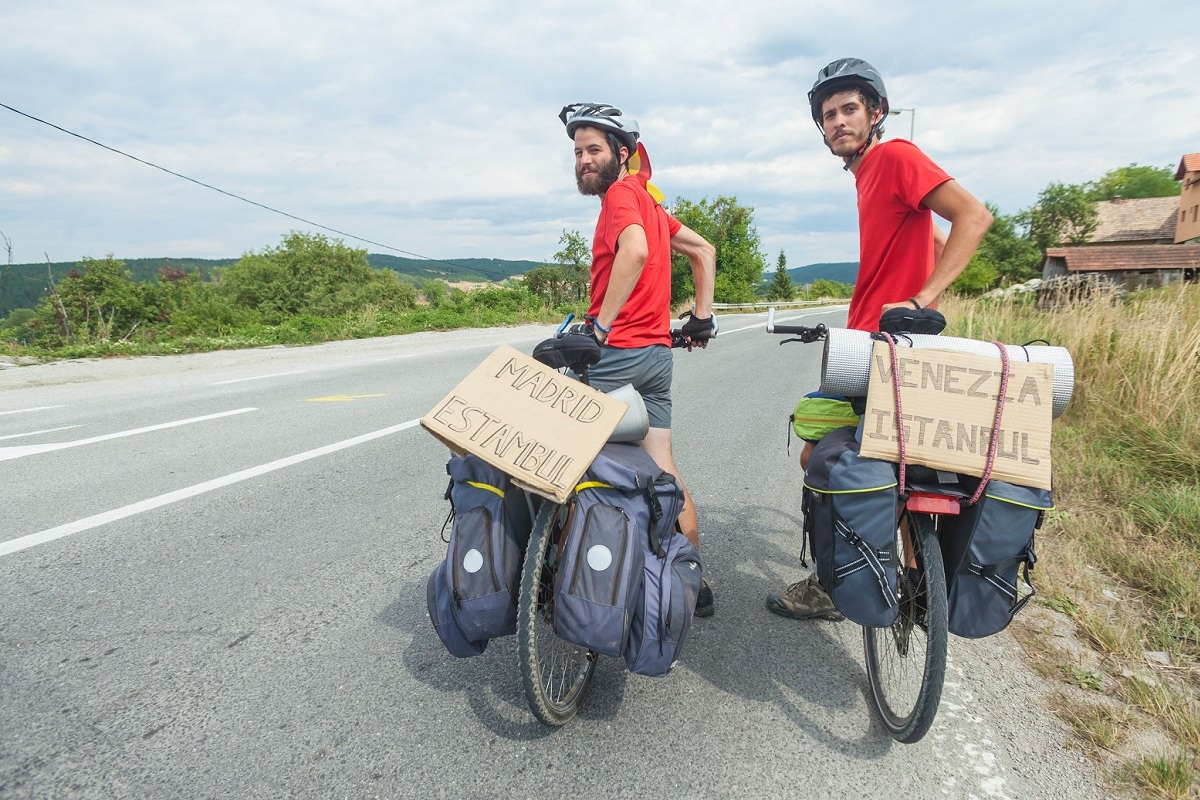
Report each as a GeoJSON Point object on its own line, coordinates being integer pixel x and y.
{"type": "Point", "coordinates": [906, 661]}
{"type": "Point", "coordinates": [555, 673]}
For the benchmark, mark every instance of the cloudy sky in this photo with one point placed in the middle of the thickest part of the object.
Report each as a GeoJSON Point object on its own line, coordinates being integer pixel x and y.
{"type": "Point", "coordinates": [431, 129]}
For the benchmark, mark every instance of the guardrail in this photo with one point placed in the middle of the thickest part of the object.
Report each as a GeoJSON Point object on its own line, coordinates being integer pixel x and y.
{"type": "Point", "coordinates": [781, 304]}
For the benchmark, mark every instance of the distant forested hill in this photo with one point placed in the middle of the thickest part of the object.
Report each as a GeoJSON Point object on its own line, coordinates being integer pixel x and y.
{"type": "Point", "coordinates": [842, 272]}
{"type": "Point", "coordinates": [22, 285]}
{"type": "Point", "coordinates": [453, 269]}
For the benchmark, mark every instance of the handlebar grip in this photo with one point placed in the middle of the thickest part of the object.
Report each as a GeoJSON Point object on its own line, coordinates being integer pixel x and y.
{"type": "Point", "coordinates": [805, 332]}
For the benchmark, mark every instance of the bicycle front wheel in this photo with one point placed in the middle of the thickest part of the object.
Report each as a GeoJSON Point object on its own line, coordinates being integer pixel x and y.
{"type": "Point", "coordinates": [555, 673]}
{"type": "Point", "coordinates": [906, 661]}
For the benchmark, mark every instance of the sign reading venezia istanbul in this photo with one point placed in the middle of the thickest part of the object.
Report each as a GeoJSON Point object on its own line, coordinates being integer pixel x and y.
{"type": "Point", "coordinates": [948, 410]}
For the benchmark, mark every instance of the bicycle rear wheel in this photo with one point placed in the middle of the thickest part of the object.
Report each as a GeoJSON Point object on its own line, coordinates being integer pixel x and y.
{"type": "Point", "coordinates": [906, 661]}
{"type": "Point", "coordinates": [556, 674]}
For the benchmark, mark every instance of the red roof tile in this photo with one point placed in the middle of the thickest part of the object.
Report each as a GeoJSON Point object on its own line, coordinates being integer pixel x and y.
{"type": "Point", "coordinates": [1106, 258]}
{"type": "Point", "coordinates": [1189, 163]}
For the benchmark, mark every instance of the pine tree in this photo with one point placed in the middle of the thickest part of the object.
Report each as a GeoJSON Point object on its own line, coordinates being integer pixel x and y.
{"type": "Point", "coordinates": [781, 287]}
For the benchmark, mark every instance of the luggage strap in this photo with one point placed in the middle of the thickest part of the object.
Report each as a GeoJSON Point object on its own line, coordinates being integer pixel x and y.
{"type": "Point", "coordinates": [870, 560]}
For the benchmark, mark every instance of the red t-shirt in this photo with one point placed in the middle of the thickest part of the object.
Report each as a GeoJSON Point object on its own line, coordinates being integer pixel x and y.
{"type": "Point", "coordinates": [895, 250]}
{"type": "Point", "coordinates": [645, 318]}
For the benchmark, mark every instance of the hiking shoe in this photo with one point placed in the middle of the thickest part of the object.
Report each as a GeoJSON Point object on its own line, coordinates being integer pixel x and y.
{"type": "Point", "coordinates": [704, 601]}
{"type": "Point", "coordinates": [804, 600]}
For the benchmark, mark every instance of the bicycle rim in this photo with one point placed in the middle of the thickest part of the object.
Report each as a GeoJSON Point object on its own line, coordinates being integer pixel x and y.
{"type": "Point", "coordinates": [555, 673]}
{"type": "Point", "coordinates": [906, 661]}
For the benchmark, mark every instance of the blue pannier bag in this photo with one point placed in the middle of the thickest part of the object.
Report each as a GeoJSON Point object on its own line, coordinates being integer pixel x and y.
{"type": "Point", "coordinates": [665, 605]}
{"type": "Point", "coordinates": [850, 518]}
{"type": "Point", "coordinates": [988, 550]}
{"type": "Point", "coordinates": [472, 594]}
{"type": "Point", "coordinates": [623, 501]}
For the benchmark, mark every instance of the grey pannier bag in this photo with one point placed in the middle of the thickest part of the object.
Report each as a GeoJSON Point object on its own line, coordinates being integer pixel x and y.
{"type": "Point", "coordinates": [988, 550]}
{"type": "Point", "coordinates": [472, 594]}
{"type": "Point", "coordinates": [623, 498]}
{"type": "Point", "coordinates": [662, 615]}
{"type": "Point", "coordinates": [850, 517]}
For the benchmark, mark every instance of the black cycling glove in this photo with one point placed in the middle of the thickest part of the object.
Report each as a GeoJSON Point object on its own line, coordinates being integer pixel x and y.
{"type": "Point", "coordinates": [698, 329]}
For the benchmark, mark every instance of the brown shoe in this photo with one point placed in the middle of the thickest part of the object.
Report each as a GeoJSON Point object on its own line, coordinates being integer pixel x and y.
{"type": "Point", "coordinates": [804, 600]}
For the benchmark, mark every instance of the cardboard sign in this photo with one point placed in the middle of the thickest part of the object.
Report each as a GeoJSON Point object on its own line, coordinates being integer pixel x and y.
{"type": "Point", "coordinates": [948, 409]}
{"type": "Point", "coordinates": [538, 425]}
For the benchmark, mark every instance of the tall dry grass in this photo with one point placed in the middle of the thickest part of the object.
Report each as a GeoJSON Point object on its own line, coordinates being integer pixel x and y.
{"type": "Point", "coordinates": [1126, 480]}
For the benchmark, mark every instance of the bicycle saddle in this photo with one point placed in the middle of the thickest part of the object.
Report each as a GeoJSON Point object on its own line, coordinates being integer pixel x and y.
{"type": "Point", "coordinates": [573, 350]}
{"type": "Point", "coordinates": [912, 320]}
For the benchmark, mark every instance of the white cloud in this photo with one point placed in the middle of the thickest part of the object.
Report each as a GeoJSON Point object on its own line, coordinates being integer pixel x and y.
{"type": "Point", "coordinates": [431, 127]}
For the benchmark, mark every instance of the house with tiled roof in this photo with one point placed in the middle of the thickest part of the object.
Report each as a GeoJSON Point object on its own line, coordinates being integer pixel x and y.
{"type": "Point", "coordinates": [1142, 243]}
{"type": "Point", "coordinates": [1187, 227]}
{"type": "Point", "coordinates": [1146, 220]}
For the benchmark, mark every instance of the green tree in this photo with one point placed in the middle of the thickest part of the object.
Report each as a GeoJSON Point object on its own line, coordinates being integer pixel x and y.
{"type": "Point", "coordinates": [550, 283]}
{"type": "Point", "coordinates": [1063, 215]}
{"type": "Point", "coordinates": [730, 229]}
{"type": "Point", "coordinates": [979, 275]}
{"type": "Point", "coordinates": [1014, 257]}
{"type": "Point", "coordinates": [1125, 183]}
{"type": "Point", "coordinates": [781, 287]}
{"type": "Point", "coordinates": [575, 259]}
{"type": "Point", "coordinates": [99, 302]}
{"type": "Point", "coordinates": [311, 274]}
{"type": "Point", "coordinates": [823, 287]}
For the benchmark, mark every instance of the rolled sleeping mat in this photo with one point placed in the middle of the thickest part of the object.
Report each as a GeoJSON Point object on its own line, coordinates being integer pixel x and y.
{"type": "Point", "coordinates": [636, 422]}
{"type": "Point", "coordinates": [846, 363]}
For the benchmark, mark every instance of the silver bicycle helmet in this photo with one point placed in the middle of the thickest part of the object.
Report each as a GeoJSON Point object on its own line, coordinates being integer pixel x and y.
{"type": "Point", "coordinates": [843, 74]}
{"type": "Point", "coordinates": [603, 116]}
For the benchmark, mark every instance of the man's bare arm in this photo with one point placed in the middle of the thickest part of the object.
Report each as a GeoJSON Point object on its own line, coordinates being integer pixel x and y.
{"type": "Point", "coordinates": [703, 258]}
{"type": "Point", "coordinates": [969, 220]}
{"type": "Point", "coordinates": [632, 251]}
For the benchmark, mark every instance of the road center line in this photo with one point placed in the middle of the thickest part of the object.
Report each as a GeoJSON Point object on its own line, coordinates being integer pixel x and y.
{"type": "Point", "coordinates": [38, 433]}
{"type": "Point", "coordinates": [9, 453]}
{"type": "Point", "coordinates": [27, 410]}
{"type": "Point", "coordinates": [260, 377]}
{"type": "Point", "coordinates": [95, 521]}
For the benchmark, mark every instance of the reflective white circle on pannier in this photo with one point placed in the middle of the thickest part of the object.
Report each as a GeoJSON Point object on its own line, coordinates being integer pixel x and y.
{"type": "Point", "coordinates": [473, 561]}
{"type": "Point", "coordinates": [599, 557]}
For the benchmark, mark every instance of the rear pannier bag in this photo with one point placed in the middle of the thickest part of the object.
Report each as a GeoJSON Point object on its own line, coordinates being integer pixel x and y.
{"type": "Point", "coordinates": [472, 595]}
{"type": "Point", "coordinates": [988, 550]}
{"type": "Point", "coordinates": [850, 507]}
{"type": "Point", "coordinates": [665, 605]}
{"type": "Point", "coordinates": [622, 499]}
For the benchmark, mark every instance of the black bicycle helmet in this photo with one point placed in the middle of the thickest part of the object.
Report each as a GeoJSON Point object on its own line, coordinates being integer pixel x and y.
{"type": "Point", "coordinates": [603, 116]}
{"type": "Point", "coordinates": [843, 74]}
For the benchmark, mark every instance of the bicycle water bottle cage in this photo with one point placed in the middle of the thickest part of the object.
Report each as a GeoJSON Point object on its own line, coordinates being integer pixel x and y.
{"type": "Point", "coordinates": [576, 351]}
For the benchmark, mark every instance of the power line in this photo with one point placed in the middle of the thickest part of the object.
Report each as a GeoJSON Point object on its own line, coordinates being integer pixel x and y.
{"type": "Point", "coordinates": [238, 196]}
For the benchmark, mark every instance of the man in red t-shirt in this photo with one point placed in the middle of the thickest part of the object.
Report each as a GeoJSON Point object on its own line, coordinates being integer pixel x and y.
{"type": "Point", "coordinates": [904, 259]}
{"type": "Point", "coordinates": [630, 309]}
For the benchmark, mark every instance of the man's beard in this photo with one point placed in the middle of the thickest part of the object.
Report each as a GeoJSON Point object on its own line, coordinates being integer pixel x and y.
{"type": "Point", "coordinates": [599, 182]}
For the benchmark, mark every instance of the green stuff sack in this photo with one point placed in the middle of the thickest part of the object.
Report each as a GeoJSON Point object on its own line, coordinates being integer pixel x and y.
{"type": "Point", "coordinates": [818, 415]}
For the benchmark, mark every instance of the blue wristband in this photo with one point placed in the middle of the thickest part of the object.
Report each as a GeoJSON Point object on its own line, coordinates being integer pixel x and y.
{"type": "Point", "coordinates": [596, 324]}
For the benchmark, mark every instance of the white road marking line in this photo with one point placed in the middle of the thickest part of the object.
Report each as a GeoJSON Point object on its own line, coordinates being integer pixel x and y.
{"type": "Point", "coordinates": [9, 453]}
{"type": "Point", "coordinates": [761, 326]}
{"type": "Point", "coordinates": [36, 433]}
{"type": "Point", "coordinates": [260, 377]}
{"type": "Point", "coordinates": [27, 410]}
{"type": "Point", "coordinates": [50, 534]}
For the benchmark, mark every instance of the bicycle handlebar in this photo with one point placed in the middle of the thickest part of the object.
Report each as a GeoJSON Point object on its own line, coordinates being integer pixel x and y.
{"type": "Point", "coordinates": [803, 333]}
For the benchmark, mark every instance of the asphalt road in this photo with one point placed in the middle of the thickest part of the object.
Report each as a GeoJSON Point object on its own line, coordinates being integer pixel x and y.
{"type": "Point", "coordinates": [212, 584]}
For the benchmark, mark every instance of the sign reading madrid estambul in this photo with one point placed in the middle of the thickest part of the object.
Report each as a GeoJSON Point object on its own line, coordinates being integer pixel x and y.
{"type": "Point", "coordinates": [538, 425]}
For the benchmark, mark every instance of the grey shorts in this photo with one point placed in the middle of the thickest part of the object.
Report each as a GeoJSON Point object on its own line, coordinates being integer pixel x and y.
{"type": "Point", "coordinates": [647, 368]}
